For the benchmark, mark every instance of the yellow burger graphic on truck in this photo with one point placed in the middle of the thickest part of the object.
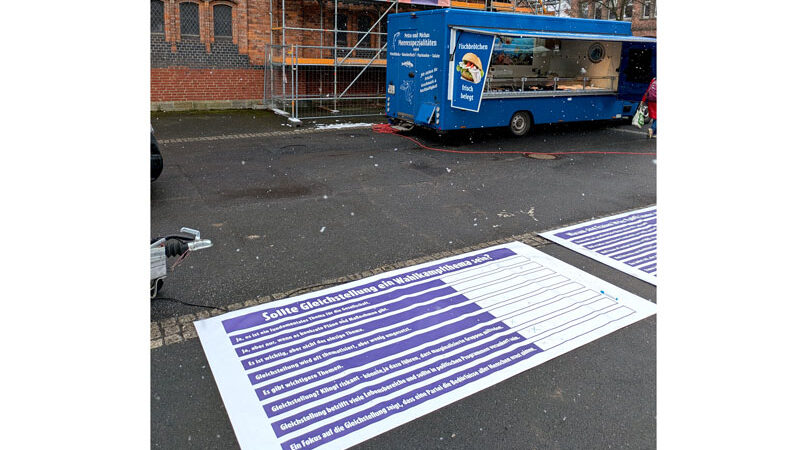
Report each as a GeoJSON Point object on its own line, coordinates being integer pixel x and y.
{"type": "Point", "coordinates": [470, 68]}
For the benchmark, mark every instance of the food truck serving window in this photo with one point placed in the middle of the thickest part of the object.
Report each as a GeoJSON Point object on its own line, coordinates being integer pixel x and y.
{"type": "Point", "coordinates": [537, 64]}
{"type": "Point", "coordinates": [527, 62]}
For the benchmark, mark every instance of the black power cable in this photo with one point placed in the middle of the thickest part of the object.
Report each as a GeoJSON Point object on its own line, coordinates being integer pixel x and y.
{"type": "Point", "coordinates": [288, 294]}
{"type": "Point", "coordinates": [170, 299]}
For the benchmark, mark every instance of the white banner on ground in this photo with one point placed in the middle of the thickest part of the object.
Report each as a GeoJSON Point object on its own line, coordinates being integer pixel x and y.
{"type": "Point", "coordinates": [626, 241]}
{"type": "Point", "coordinates": [333, 368]}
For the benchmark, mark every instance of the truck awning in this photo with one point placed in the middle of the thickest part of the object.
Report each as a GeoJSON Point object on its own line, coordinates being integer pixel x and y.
{"type": "Point", "coordinates": [556, 35]}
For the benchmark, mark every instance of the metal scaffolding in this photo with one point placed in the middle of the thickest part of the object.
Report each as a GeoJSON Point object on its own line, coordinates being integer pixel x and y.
{"type": "Point", "coordinates": [330, 69]}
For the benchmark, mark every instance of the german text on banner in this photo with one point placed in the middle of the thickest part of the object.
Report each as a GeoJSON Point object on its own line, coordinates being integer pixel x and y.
{"type": "Point", "coordinates": [333, 368]}
{"type": "Point", "coordinates": [626, 241]}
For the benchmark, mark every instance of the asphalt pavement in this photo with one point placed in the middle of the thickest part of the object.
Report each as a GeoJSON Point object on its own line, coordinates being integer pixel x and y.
{"type": "Point", "coordinates": [290, 208]}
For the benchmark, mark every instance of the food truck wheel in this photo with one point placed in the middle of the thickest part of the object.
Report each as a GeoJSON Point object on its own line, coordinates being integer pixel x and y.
{"type": "Point", "coordinates": [520, 123]}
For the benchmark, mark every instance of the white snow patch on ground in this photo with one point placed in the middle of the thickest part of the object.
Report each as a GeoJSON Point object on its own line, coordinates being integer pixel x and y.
{"type": "Point", "coordinates": [530, 213]}
{"type": "Point", "coordinates": [336, 126]}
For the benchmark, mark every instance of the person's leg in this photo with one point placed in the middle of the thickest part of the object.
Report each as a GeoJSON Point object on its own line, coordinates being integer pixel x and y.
{"type": "Point", "coordinates": [654, 127]}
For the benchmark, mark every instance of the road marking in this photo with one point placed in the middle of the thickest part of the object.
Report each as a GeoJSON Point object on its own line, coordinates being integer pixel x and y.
{"type": "Point", "coordinates": [258, 135]}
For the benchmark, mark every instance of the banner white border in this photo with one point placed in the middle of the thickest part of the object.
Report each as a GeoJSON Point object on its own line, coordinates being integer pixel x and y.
{"type": "Point", "coordinates": [251, 424]}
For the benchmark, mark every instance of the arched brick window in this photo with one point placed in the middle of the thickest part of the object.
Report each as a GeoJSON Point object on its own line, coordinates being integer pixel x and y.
{"type": "Point", "coordinates": [341, 24]}
{"type": "Point", "coordinates": [598, 10]}
{"type": "Point", "coordinates": [341, 38]}
{"type": "Point", "coordinates": [648, 10]}
{"type": "Point", "coordinates": [583, 9]}
{"type": "Point", "coordinates": [223, 21]}
{"type": "Point", "coordinates": [156, 16]}
{"type": "Point", "coordinates": [364, 22]}
{"type": "Point", "coordinates": [190, 19]}
{"type": "Point", "coordinates": [627, 12]}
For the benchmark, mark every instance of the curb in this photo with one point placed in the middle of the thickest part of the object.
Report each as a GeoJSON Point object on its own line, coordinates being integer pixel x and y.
{"type": "Point", "coordinates": [178, 329]}
{"type": "Point", "coordinates": [260, 135]}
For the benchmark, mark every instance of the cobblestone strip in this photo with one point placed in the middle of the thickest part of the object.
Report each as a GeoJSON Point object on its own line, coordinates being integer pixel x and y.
{"type": "Point", "coordinates": [178, 329]}
{"type": "Point", "coordinates": [258, 135]}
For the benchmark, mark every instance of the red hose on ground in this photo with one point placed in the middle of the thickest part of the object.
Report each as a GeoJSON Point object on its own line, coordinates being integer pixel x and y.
{"type": "Point", "coordinates": [385, 128]}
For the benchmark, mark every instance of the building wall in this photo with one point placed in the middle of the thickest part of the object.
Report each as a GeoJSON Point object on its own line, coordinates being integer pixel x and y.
{"type": "Point", "coordinates": [315, 15]}
{"type": "Point", "coordinates": [229, 71]}
{"type": "Point", "coordinates": [640, 26]}
{"type": "Point", "coordinates": [204, 70]}
{"type": "Point", "coordinates": [207, 70]}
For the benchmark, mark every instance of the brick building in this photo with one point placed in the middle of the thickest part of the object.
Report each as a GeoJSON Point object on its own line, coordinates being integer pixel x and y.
{"type": "Point", "coordinates": [641, 13]}
{"type": "Point", "coordinates": [207, 54]}
{"type": "Point", "coordinates": [212, 53]}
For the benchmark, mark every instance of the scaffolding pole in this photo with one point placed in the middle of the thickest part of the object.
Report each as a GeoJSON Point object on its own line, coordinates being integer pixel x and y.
{"type": "Point", "coordinates": [350, 62]}
{"type": "Point", "coordinates": [368, 32]}
{"type": "Point", "coordinates": [283, 46]}
{"type": "Point", "coordinates": [335, 50]}
{"type": "Point", "coordinates": [364, 69]}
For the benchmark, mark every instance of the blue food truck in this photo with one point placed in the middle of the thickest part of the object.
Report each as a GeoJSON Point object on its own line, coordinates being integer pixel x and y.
{"type": "Point", "coordinates": [450, 69]}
